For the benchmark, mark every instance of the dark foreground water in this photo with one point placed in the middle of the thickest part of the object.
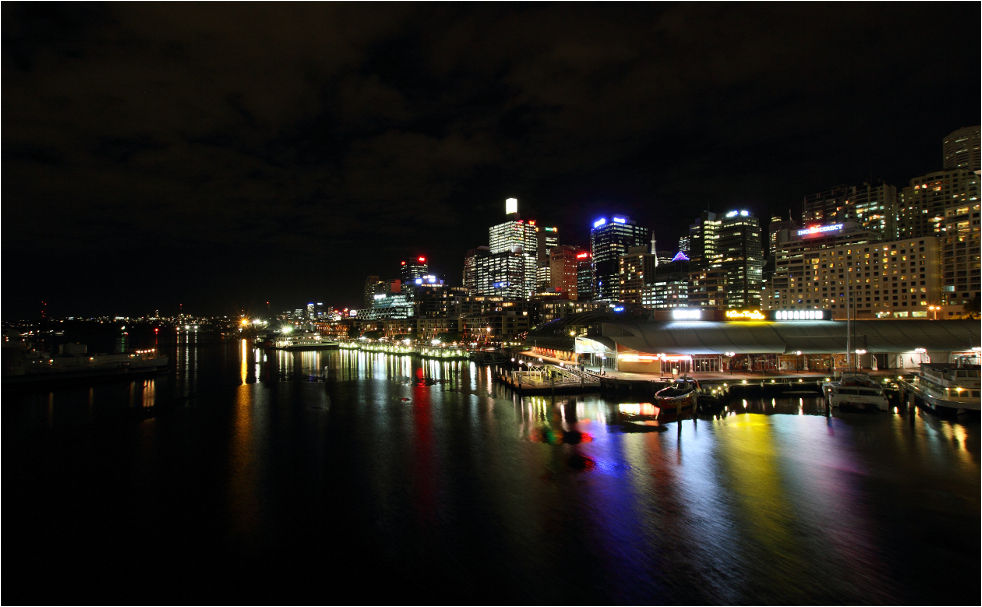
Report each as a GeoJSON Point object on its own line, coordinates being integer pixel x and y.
{"type": "Point", "coordinates": [235, 479]}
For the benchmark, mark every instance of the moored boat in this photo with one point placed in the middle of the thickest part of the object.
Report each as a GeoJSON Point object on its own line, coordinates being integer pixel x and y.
{"type": "Point", "coordinates": [856, 390]}
{"type": "Point", "coordinates": [947, 386]}
{"type": "Point", "coordinates": [682, 393]}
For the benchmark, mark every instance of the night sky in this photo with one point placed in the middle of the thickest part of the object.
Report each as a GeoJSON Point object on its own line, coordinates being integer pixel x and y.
{"type": "Point", "coordinates": [221, 155]}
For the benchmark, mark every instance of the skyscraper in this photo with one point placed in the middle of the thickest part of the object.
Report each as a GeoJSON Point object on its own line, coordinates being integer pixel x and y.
{"type": "Point", "coordinates": [411, 270]}
{"type": "Point", "coordinates": [547, 238]}
{"type": "Point", "coordinates": [739, 255]}
{"type": "Point", "coordinates": [609, 240]}
{"type": "Point", "coordinates": [517, 237]}
{"type": "Point", "coordinates": [727, 261]}
{"type": "Point", "coordinates": [562, 268]}
{"type": "Point", "coordinates": [702, 239]}
{"type": "Point", "coordinates": [961, 149]}
{"type": "Point", "coordinates": [636, 269]}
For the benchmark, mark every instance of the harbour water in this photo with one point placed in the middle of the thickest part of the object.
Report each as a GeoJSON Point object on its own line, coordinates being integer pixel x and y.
{"type": "Point", "coordinates": [242, 476]}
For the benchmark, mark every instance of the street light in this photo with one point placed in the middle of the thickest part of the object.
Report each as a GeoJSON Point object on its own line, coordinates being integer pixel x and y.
{"type": "Point", "coordinates": [935, 310]}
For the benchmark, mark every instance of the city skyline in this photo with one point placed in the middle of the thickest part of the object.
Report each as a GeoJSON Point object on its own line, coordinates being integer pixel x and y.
{"type": "Point", "coordinates": [186, 162]}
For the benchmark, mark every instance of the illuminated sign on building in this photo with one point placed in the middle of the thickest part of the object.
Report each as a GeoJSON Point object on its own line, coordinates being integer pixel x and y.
{"type": "Point", "coordinates": [619, 220]}
{"type": "Point", "coordinates": [582, 255]}
{"type": "Point", "coordinates": [686, 314]}
{"type": "Point", "coordinates": [740, 213]}
{"type": "Point", "coordinates": [599, 222]}
{"type": "Point", "coordinates": [511, 206]}
{"type": "Point", "coordinates": [835, 227]}
{"type": "Point", "coordinates": [680, 256]}
{"type": "Point", "coordinates": [801, 314]}
{"type": "Point", "coordinates": [744, 315]}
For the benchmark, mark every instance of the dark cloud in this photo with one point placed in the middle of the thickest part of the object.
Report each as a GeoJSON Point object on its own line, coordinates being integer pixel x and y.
{"type": "Point", "coordinates": [227, 152]}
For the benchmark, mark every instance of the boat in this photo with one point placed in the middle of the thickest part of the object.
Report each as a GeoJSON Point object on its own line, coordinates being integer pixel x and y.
{"type": "Point", "coordinates": [73, 363]}
{"type": "Point", "coordinates": [947, 386]}
{"type": "Point", "coordinates": [304, 341]}
{"type": "Point", "coordinates": [489, 357]}
{"type": "Point", "coordinates": [682, 393]}
{"type": "Point", "coordinates": [856, 390]}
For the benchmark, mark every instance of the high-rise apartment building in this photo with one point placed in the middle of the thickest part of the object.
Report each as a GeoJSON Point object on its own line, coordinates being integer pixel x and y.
{"type": "Point", "coordinates": [961, 149]}
{"type": "Point", "coordinates": [874, 207]}
{"type": "Point", "coordinates": [945, 204]}
{"type": "Point", "coordinates": [827, 207]}
{"type": "Point", "coordinates": [636, 269]}
{"type": "Point", "coordinates": [609, 240]}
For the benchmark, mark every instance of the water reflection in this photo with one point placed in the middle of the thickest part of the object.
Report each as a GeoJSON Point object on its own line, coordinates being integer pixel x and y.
{"type": "Point", "coordinates": [445, 476]}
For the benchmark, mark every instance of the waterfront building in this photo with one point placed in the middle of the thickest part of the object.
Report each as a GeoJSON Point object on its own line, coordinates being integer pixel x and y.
{"type": "Point", "coordinates": [609, 240]}
{"type": "Point", "coordinates": [881, 279]}
{"type": "Point", "coordinates": [945, 204]}
{"type": "Point", "coordinates": [961, 149]}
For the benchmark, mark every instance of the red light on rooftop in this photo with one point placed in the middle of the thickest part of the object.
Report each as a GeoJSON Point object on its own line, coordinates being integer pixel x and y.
{"type": "Point", "coordinates": [403, 263]}
{"type": "Point", "coordinates": [422, 260]}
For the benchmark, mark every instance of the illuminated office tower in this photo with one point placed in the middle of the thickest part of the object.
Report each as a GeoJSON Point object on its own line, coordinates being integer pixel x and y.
{"type": "Point", "coordinates": [739, 255]}
{"type": "Point", "coordinates": [546, 240]}
{"type": "Point", "coordinates": [584, 276]}
{"type": "Point", "coordinates": [961, 149]}
{"type": "Point", "coordinates": [413, 269]}
{"type": "Point", "coordinates": [517, 237]}
{"type": "Point", "coordinates": [702, 239]}
{"type": "Point", "coordinates": [470, 268]}
{"type": "Point", "coordinates": [945, 204]}
{"type": "Point", "coordinates": [609, 240]}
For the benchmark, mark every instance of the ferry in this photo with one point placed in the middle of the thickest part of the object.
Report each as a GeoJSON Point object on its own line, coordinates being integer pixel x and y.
{"type": "Point", "coordinates": [74, 363]}
{"type": "Point", "coordinates": [305, 341]}
{"type": "Point", "coordinates": [947, 386]}
{"type": "Point", "coordinates": [857, 390]}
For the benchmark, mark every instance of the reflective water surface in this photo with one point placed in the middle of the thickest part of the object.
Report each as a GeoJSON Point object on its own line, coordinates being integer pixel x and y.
{"type": "Point", "coordinates": [245, 477]}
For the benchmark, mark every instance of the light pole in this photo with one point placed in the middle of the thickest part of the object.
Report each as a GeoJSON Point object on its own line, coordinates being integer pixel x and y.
{"type": "Point", "coordinates": [935, 310]}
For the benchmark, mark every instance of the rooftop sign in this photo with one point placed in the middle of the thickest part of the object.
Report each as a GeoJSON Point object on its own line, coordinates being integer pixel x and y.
{"type": "Point", "coordinates": [835, 227]}
{"type": "Point", "coordinates": [744, 315]}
